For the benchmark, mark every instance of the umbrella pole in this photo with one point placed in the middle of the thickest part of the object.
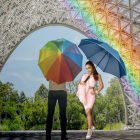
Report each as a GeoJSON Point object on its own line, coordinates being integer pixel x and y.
{"type": "Point", "coordinates": [95, 68]}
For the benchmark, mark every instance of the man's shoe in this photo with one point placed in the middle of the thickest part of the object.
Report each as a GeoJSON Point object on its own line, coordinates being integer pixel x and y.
{"type": "Point", "coordinates": [48, 137]}
{"type": "Point", "coordinates": [64, 136]}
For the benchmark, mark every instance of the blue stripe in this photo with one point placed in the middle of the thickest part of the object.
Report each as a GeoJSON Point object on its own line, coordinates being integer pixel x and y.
{"type": "Point", "coordinates": [76, 58]}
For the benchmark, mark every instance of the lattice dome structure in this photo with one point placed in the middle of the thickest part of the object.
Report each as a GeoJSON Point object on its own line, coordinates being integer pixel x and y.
{"type": "Point", "coordinates": [116, 22]}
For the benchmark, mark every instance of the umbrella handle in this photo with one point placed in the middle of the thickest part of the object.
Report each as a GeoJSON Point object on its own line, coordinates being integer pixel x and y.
{"type": "Point", "coordinates": [87, 79]}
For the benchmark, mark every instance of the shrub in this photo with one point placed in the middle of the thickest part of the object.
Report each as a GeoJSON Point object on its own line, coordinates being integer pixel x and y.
{"type": "Point", "coordinates": [4, 128]}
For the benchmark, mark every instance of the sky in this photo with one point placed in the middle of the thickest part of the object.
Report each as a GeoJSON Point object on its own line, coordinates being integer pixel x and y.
{"type": "Point", "coordinates": [22, 68]}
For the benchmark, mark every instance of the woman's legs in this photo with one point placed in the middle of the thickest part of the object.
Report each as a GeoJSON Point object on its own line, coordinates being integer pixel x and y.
{"type": "Point", "coordinates": [90, 99]}
{"type": "Point", "coordinates": [89, 117]}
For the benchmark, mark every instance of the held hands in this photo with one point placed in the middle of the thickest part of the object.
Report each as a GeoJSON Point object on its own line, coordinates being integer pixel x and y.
{"type": "Point", "coordinates": [94, 92]}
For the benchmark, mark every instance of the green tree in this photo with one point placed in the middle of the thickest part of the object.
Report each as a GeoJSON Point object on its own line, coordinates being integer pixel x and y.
{"type": "Point", "coordinates": [3, 94]}
{"type": "Point", "coordinates": [98, 110]}
{"type": "Point", "coordinates": [75, 109]}
{"type": "Point", "coordinates": [22, 98]}
{"type": "Point", "coordinates": [10, 108]}
{"type": "Point", "coordinates": [114, 108]}
{"type": "Point", "coordinates": [75, 117]}
{"type": "Point", "coordinates": [42, 92]}
{"type": "Point", "coordinates": [15, 97]}
{"type": "Point", "coordinates": [72, 86]}
{"type": "Point", "coordinates": [35, 111]}
{"type": "Point", "coordinates": [9, 101]}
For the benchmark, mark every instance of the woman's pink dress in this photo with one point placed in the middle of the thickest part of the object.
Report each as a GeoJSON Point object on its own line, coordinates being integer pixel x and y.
{"type": "Point", "coordinates": [83, 93]}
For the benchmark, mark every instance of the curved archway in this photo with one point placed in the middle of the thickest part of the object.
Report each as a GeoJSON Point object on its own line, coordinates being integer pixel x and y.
{"type": "Point", "coordinates": [114, 22]}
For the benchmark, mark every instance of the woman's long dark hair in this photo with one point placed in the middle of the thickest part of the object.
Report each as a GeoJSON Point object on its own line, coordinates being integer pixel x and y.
{"type": "Point", "coordinates": [95, 73]}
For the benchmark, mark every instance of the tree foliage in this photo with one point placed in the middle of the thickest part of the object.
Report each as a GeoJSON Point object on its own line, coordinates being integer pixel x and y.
{"type": "Point", "coordinates": [19, 112]}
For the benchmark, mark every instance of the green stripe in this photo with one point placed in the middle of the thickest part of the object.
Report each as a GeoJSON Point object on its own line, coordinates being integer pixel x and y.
{"type": "Point", "coordinates": [50, 46]}
{"type": "Point", "coordinates": [59, 44]}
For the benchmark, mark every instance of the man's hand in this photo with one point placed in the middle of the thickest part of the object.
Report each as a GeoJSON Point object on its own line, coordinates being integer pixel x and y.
{"type": "Point", "coordinates": [82, 83]}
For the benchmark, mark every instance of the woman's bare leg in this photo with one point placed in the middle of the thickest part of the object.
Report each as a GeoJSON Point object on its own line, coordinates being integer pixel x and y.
{"type": "Point", "coordinates": [89, 118]}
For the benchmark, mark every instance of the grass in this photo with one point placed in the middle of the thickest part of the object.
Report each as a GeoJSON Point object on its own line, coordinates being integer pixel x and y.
{"type": "Point", "coordinates": [4, 128]}
{"type": "Point", "coordinates": [114, 126]}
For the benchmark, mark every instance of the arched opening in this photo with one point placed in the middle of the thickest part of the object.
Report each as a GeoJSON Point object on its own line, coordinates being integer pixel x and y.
{"type": "Point", "coordinates": [22, 69]}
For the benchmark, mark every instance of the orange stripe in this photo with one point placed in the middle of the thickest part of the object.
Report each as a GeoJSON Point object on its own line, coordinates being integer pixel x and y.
{"type": "Point", "coordinates": [46, 64]}
{"type": "Point", "coordinates": [53, 73]}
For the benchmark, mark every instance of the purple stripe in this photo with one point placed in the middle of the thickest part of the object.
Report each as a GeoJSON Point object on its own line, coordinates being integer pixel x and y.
{"type": "Point", "coordinates": [73, 67]}
{"type": "Point", "coordinates": [72, 49]}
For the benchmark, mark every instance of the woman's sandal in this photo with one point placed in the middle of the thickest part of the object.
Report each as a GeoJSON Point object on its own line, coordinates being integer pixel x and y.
{"type": "Point", "coordinates": [89, 133]}
{"type": "Point", "coordinates": [92, 128]}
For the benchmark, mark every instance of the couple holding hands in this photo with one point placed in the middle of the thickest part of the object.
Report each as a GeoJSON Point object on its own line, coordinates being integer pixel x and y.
{"type": "Point", "coordinates": [85, 93]}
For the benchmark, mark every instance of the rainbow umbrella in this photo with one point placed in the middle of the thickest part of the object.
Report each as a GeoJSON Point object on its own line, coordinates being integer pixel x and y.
{"type": "Point", "coordinates": [60, 61]}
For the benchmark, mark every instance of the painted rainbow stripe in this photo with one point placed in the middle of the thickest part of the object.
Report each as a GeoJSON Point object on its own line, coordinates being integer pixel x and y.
{"type": "Point", "coordinates": [96, 29]}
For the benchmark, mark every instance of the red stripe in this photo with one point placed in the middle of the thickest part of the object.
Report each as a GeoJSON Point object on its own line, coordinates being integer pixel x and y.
{"type": "Point", "coordinates": [65, 74]}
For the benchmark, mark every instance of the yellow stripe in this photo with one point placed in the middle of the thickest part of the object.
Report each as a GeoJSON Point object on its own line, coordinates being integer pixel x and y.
{"type": "Point", "coordinates": [46, 64]}
{"type": "Point", "coordinates": [47, 53]}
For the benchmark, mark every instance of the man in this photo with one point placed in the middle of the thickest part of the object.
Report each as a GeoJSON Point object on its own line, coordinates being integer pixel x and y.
{"type": "Point", "coordinates": [57, 91]}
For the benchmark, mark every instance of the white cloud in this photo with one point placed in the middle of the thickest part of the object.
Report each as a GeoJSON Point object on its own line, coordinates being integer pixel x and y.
{"type": "Point", "coordinates": [19, 76]}
{"type": "Point", "coordinates": [32, 77]}
{"type": "Point", "coordinates": [26, 76]}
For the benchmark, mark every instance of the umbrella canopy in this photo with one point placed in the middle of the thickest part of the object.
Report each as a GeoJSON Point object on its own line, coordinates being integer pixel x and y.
{"type": "Point", "coordinates": [60, 61]}
{"type": "Point", "coordinates": [103, 56]}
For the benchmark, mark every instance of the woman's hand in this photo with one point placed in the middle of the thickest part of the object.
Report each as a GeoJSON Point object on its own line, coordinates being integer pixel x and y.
{"type": "Point", "coordinates": [93, 92]}
{"type": "Point", "coordinates": [82, 83]}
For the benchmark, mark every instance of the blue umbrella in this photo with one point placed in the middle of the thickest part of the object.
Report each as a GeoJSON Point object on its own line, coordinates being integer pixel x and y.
{"type": "Point", "coordinates": [104, 56]}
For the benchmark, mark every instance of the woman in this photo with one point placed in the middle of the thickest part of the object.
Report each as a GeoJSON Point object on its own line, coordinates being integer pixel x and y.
{"type": "Point", "coordinates": [90, 93]}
